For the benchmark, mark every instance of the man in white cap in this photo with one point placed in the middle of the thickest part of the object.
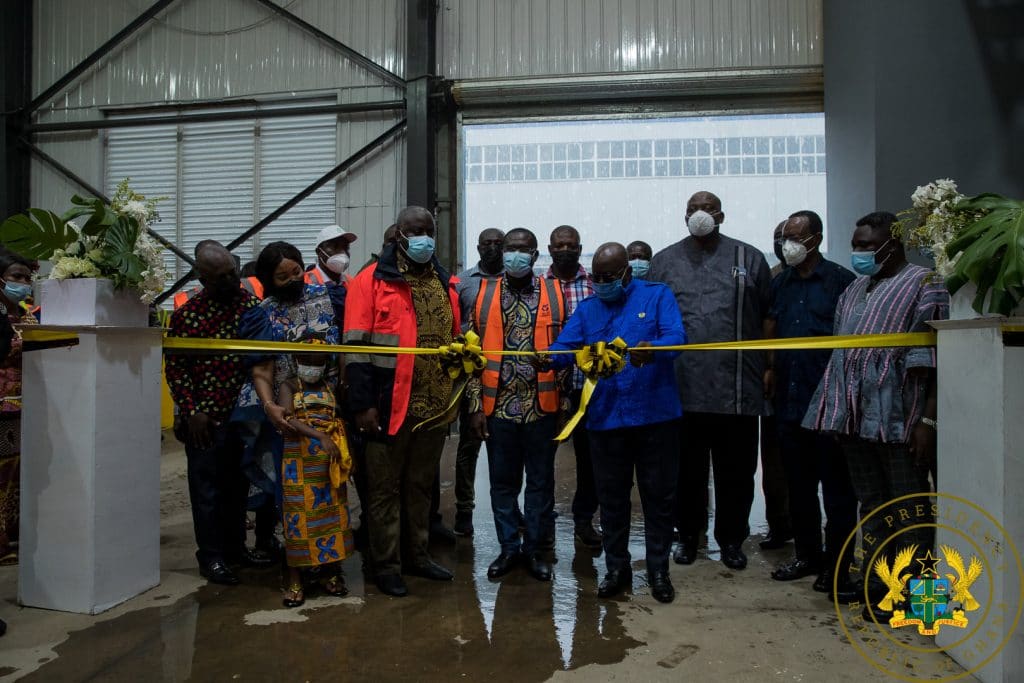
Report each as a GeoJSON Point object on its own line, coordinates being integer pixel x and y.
{"type": "Point", "coordinates": [332, 256]}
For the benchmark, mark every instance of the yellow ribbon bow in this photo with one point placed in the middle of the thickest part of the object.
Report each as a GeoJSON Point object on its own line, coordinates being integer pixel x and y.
{"type": "Point", "coordinates": [597, 361]}
{"type": "Point", "coordinates": [463, 358]}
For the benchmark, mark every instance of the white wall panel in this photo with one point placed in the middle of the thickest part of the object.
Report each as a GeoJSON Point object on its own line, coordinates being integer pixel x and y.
{"type": "Point", "coordinates": [507, 38]}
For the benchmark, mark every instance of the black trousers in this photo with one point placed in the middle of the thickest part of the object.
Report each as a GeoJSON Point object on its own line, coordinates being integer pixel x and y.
{"type": "Point", "coordinates": [810, 458]}
{"type": "Point", "coordinates": [584, 501]}
{"type": "Point", "coordinates": [652, 451]}
{"type": "Point", "coordinates": [729, 443]}
{"type": "Point", "coordinates": [218, 489]}
{"type": "Point", "coordinates": [773, 480]}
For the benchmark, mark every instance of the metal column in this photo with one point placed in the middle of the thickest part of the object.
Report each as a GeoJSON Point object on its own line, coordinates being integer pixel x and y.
{"type": "Point", "coordinates": [15, 92]}
{"type": "Point", "coordinates": [420, 66]}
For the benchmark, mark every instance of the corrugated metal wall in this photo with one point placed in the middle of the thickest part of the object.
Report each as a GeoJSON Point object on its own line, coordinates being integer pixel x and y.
{"type": "Point", "coordinates": [213, 50]}
{"type": "Point", "coordinates": [507, 38]}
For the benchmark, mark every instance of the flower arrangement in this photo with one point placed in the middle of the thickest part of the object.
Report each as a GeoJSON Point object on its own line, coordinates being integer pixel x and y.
{"type": "Point", "coordinates": [111, 242]}
{"type": "Point", "coordinates": [972, 239]}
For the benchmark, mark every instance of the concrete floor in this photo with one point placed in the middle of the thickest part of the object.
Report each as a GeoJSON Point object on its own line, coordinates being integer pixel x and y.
{"type": "Point", "coordinates": [723, 626]}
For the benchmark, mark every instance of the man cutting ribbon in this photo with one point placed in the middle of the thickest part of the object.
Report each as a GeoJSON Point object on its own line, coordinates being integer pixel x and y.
{"type": "Point", "coordinates": [633, 414]}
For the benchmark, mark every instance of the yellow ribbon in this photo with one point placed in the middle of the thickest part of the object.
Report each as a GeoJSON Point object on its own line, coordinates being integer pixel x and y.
{"type": "Point", "coordinates": [596, 361]}
{"type": "Point", "coordinates": [462, 358]}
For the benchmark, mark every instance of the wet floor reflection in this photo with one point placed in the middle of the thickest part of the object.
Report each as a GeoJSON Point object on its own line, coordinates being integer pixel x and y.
{"type": "Point", "coordinates": [472, 627]}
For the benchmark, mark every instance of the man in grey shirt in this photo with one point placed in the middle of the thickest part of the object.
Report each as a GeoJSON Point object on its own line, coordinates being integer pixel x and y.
{"type": "Point", "coordinates": [722, 288]}
{"type": "Point", "coordinates": [489, 246]}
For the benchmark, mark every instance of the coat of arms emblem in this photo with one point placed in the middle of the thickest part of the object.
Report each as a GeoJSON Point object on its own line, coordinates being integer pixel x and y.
{"type": "Point", "coordinates": [926, 598]}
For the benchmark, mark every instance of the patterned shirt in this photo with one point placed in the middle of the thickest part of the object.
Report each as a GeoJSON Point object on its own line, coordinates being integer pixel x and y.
{"type": "Point", "coordinates": [870, 393]}
{"type": "Point", "coordinates": [574, 291]}
{"type": "Point", "coordinates": [517, 383]}
{"type": "Point", "coordinates": [210, 384]}
{"type": "Point", "coordinates": [290, 321]}
{"type": "Point", "coordinates": [431, 384]}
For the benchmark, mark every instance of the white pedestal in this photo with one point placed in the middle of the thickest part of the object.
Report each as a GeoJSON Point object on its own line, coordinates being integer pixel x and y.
{"type": "Point", "coordinates": [981, 459]}
{"type": "Point", "coordinates": [90, 470]}
{"type": "Point", "coordinates": [90, 301]}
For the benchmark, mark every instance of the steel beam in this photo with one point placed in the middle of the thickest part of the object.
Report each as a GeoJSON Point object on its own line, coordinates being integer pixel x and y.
{"type": "Point", "coordinates": [15, 91]}
{"type": "Point", "coordinates": [351, 54]}
{"type": "Point", "coordinates": [96, 55]}
{"type": "Point", "coordinates": [205, 117]}
{"type": "Point", "coordinates": [345, 165]}
{"type": "Point", "coordinates": [85, 185]}
{"type": "Point", "coordinates": [420, 66]}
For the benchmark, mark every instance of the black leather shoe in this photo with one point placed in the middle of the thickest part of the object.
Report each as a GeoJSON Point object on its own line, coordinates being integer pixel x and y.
{"type": "Point", "coordinates": [849, 591]}
{"type": "Point", "coordinates": [433, 571]}
{"type": "Point", "coordinates": [218, 572]}
{"type": "Point", "coordinates": [733, 557]}
{"type": "Point", "coordinates": [439, 533]}
{"type": "Point", "coordinates": [882, 616]}
{"type": "Point", "coordinates": [661, 586]}
{"type": "Point", "coordinates": [539, 568]}
{"type": "Point", "coordinates": [254, 557]}
{"type": "Point", "coordinates": [796, 568]}
{"type": "Point", "coordinates": [685, 552]}
{"type": "Point", "coordinates": [614, 582]}
{"type": "Point", "coordinates": [392, 584]}
{"type": "Point", "coordinates": [503, 564]}
{"type": "Point", "coordinates": [823, 584]}
{"type": "Point", "coordinates": [587, 536]}
{"type": "Point", "coordinates": [463, 523]}
{"type": "Point", "coordinates": [774, 541]}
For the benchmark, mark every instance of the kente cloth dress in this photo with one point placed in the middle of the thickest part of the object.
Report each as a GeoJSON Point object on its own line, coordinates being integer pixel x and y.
{"type": "Point", "coordinates": [316, 521]}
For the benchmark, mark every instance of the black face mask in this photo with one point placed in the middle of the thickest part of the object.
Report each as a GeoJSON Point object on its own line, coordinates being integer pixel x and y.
{"type": "Point", "coordinates": [291, 291]}
{"type": "Point", "coordinates": [566, 259]}
{"type": "Point", "coordinates": [490, 255]}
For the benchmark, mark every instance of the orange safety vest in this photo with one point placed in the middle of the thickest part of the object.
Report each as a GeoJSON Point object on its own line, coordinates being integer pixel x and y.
{"type": "Point", "coordinates": [313, 276]}
{"type": "Point", "coordinates": [550, 317]}
{"type": "Point", "coordinates": [253, 285]}
{"type": "Point", "coordinates": [182, 297]}
{"type": "Point", "coordinates": [249, 284]}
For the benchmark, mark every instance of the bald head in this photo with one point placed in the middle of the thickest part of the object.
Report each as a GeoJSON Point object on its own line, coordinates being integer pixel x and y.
{"type": "Point", "coordinates": [610, 259]}
{"type": "Point", "coordinates": [218, 271]}
{"type": "Point", "coordinates": [415, 220]}
{"type": "Point", "coordinates": [490, 235]}
{"type": "Point", "coordinates": [703, 199]}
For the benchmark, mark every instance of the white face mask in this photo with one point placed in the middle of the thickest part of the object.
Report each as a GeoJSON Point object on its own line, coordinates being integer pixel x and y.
{"type": "Point", "coordinates": [311, 374]}
{"type": "Point", "coordinates": [794, 252]}
{"type": "Point", "coordinates": [700, 223]}
{"type": "Point", "coordinates": [338, 263]}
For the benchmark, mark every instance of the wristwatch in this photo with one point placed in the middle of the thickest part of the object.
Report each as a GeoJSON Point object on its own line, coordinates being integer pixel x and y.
{"type": "Point", "coordinates": [930, 422]}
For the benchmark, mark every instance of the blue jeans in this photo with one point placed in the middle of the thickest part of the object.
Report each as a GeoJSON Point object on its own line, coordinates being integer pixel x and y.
{"type": "Point", "coordinates": [511, 449]}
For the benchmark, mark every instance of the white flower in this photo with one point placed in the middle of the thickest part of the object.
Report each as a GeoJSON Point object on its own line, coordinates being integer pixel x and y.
{"type": "Point", "coordinates": [137, 210]}
{"type": "Point", "coordinates": [72, 267]}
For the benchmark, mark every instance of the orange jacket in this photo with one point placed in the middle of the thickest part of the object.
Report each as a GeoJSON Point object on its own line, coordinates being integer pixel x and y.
{"type": "Point", "coordinates": [547, 325]}
{"type": "Point", "coordinates": [379, 311]}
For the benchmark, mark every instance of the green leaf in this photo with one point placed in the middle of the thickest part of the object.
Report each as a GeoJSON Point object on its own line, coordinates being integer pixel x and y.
{"type": "Point", "coordinates": [992, 253]}
{"type": "Point", "coordinates": [37, 234]}
{"type": "Point", "coordinates": [118, 252]}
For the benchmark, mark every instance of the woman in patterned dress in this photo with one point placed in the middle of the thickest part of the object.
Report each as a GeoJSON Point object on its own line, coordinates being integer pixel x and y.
{"type": "Point", "coordinates": [16, 274]}
{"type": "Point", "coordinates": [314, 469]}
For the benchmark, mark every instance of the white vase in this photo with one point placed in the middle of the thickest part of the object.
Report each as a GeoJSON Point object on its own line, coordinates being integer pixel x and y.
{"type": "Point", "coordinates": [89, 301]}
{"type": "Point", "coordinates": [961, 308]}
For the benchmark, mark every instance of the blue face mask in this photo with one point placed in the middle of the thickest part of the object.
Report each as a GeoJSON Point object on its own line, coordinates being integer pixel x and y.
{"type": "Point", "coordinates": [609, 291]}
{"type": "Point", "coordinates": [17, 292]}
{"type": "Point", "coordinates": [421, 248]}
{"type": "Point", "coordinates": [640, 267]}
{"type": "Point", "coordinates": [863, 262]}
{"type": "Point", "coordinates": [517, 264]}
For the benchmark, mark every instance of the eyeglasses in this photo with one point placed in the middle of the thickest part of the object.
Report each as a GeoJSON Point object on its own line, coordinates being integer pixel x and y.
{"type": "Point", "coordinates": [603, 278]}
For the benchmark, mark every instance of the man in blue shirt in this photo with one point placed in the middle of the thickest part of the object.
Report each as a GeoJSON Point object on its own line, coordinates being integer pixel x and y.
{"type": "Point", "coordinates": [633, 416]}
{"type": "Point", "coordinates": [803, 304]}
